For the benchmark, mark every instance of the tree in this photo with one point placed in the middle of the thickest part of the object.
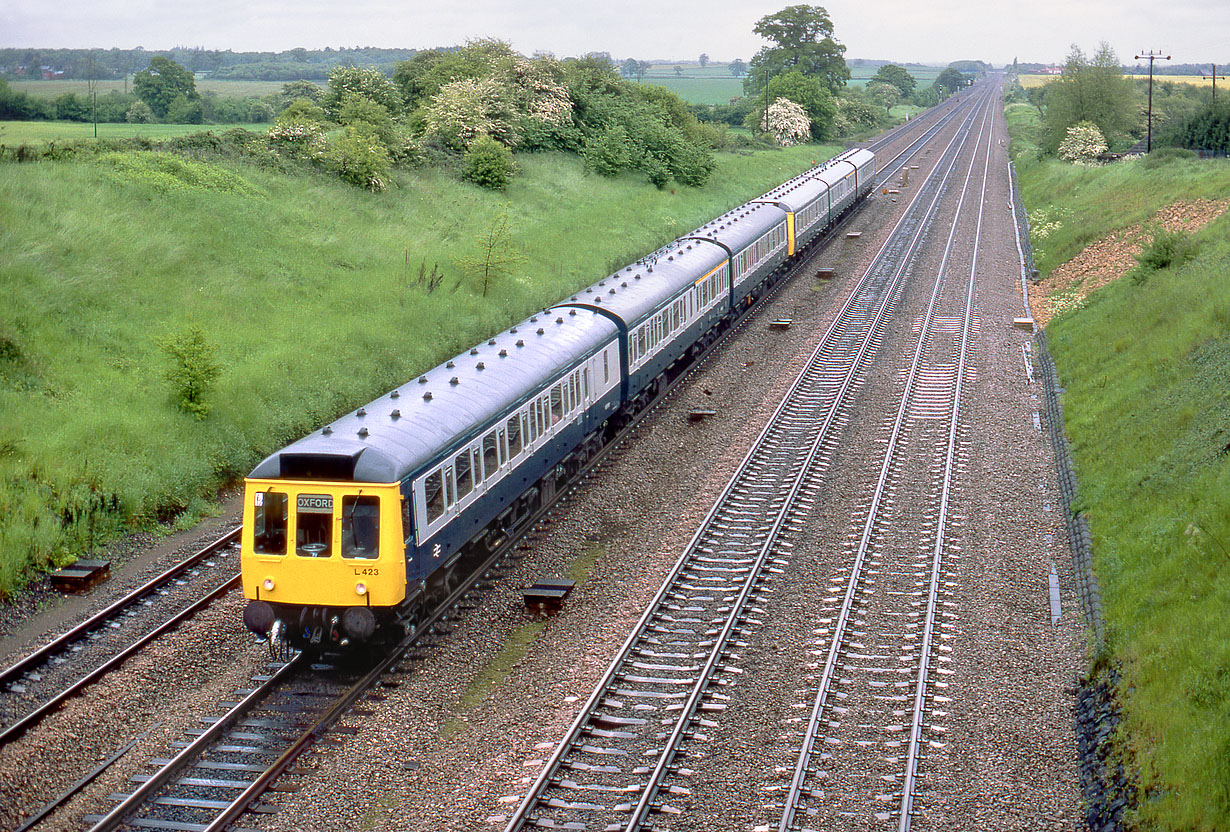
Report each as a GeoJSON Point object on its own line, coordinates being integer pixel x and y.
{"type": "Point", "coordinates": [193, 369]}
{"type": "Point", "coordinates": [898, 77]}
{"type": "Point", "coordinates": [738, 68]}
{"type": "Point", "coordinates": [163, 82]}
{"type": "Point", "coordinates": [497, 253]}
{"type": "Point", "coordinates": [811, 94]}
{"type": "Point", "coordinates": [295, 90]}
{"type": "Point", "coordinates": [950, 80]}
{"type": "Point", "coordinates": [631, 68]}
{"type": "Point", "coordinates": [372, 84]}
{"type": "Point", "coordinates": [1083, 144]}
{"type": "Point", "coordinates": [1090, 90]}
{"type": "Point", "coordinates": [704, 59]}
{"type": "Point", "coordinates": [678, 71]}
{"type": "Point", "coordinates": [788, 123]}
{"type": "Point", "coordinates": [803, 40]}
{"type": "Point", "coordinates": [884, 94]}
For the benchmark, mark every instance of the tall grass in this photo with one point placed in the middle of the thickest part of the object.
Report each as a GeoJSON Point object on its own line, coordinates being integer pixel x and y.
{"type": "Point", "coordinates": [1146, 366]}
{"type": "Point", "coordinates": [309, 289]}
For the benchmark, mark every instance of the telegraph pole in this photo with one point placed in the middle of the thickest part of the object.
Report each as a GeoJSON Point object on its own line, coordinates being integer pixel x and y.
{"type": "Point", "coordinates": [1152, 56]}
{"type": "Point", "coordinates": [1213, 78]}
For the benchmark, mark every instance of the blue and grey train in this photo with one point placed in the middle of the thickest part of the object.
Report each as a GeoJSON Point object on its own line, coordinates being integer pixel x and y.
{"type": "Point", "coordinates": [348, 531]}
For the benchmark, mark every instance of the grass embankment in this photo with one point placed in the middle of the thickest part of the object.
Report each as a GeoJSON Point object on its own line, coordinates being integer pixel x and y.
{"type": "Point", "coordinates": [1146, 366]}
{"type": "Point", "coordinates": [309, 288]}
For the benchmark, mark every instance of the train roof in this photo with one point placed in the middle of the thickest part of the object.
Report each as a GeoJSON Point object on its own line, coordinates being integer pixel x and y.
{"type": "Point", "coordinates": [390, 438]}
{"type": "Point", "coordinates": [806, 187]}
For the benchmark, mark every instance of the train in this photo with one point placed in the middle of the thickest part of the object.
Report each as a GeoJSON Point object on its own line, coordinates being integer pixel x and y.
{"type": "Point", "coordinates": [352, 532]}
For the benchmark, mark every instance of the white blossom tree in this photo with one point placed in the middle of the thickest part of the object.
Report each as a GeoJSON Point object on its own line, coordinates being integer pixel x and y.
{"type": "Point", "coordinates": [789, 123]}
{"type": "Point", "coordinates": [1083, 144]}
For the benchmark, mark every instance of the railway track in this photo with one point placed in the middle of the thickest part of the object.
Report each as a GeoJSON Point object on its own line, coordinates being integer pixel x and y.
{"type": "Point", "coordinates": [883, 721]}
{"type": "Point", "coordinates": [278, 700]}
{"type": "Point", "coordinates": [616, 765]}
{"type": "Point", "coordinates": [43, 680]}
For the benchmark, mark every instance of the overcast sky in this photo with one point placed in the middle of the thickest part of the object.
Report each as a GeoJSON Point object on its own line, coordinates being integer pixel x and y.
{"type": "Point", "coordinates": [925, 31]}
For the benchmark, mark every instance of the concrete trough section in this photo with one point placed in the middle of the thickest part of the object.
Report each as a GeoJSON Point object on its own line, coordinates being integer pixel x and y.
{"type": "Point", "coordinates": [80, 576]}
{"type": "Point", "coordinates": [547, 594]}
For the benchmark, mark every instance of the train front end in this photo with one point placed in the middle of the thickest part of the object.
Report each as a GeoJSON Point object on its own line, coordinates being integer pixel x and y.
{"type": "Point", "coordinates": [323, 563]}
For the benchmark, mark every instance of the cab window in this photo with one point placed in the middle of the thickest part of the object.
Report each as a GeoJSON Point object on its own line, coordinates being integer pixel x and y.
{"type": "Point", "coordinates": [433, 490]}
{"type": "Point", "coordinates": [269, 523]}
{"type": "Point", "coordinates": [314, 525]}
{"type": "Point", "coordinates": [360, 526]}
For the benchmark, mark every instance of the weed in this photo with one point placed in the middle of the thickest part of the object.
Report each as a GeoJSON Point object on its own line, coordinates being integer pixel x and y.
{"type": "Point", "coordinates": [1166, 249]}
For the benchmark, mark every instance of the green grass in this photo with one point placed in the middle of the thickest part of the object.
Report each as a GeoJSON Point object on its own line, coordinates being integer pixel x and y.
{"type": "Point", "coordinates": [236, 89]}
{"type": "Point", "coordinates": [307, 287]}
{"type": "Point", "coordinates": [715, 90]}
{"type": "Point", "coordinates": [14, 133]}
{"type": "Point", "coordinates": [1146, 367]}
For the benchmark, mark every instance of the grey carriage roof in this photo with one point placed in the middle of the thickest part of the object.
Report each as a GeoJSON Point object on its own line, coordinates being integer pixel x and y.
{"type": "Point", "coordinates": [638, 290]}
{"type": "Point", "coordinates": [453, 400]}
{"type": "Point", "coordinates": [804, 188]}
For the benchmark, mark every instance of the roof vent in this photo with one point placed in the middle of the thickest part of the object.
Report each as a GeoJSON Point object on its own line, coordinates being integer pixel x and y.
{"type": "Point", "coordinates": [482, 366]}
{"type": "Point", "coordinates": [561, 320]}
{"type": "Point", "coordinates": [574, 297]}
{"type": "Point", "coordinates": [589, 291]}
{"type": "Point", "coordinates": [454, 380]}
{"type": "Point", "coordinates": [395, 415]}
{"type": "Point", "coordinates": [422, 379]}
{"type": "Point", "coordinates": [612, 291]}
{"type": "Point", "coordinates": [491, 343]}
{"type": "Point", "coordinates": [362, 411]}
{"type": "Point", "coordinates": [326, 431]}
{"type": "Point", "coordinates": [396, 394]}
{"type": "Point", "coordinates": [689, 246]}
{"type": "Point", "coordinates": [638, 275]}
{"type": "Point", "coordinates": [601, 282]}
{"type": "Point", "coordinates": [503, 353]}
{"type": "Point", "coordinates": [541, 331]}
{"type": "Point", "coordinates": [474, 351]}
{"type": "Point", "coordinates": [670, 257]}
{"type": "Point", "coordinates": [427, 396]}
{"type": "Point", "coordinates": [534, 319]}
{"type": "Point", "coordinates": [597, 300]}
{"type": "Point", "coordinates": [362, 433]}
{"type": "Point", "coordinates": [520, 343]}
{"type": "Point", "coordinates": [624, 284]}
{"type": "Point", "coordinates": [572, 312]}
{"type": "Point", "coordinates": [649, 269]}
{"type": "Point", "coordinates": [514, 329]}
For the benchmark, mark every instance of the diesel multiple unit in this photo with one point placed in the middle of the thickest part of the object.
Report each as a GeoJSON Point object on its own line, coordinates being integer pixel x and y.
{"type": "Point", "coordinates": [349, 530]}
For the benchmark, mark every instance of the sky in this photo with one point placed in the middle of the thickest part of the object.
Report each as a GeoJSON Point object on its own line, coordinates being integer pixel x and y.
{"type": "Point", "coordinates": [922, 31]}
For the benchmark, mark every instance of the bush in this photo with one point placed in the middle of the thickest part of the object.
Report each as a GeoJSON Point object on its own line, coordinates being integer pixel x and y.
{"type": "Point", "coordinates": [139, 113]}
{"type": "Point", "coordinates": [1166, 155]}
{"type": "Point", "coordinates": [489, 164]}
{"type": "Point", "coordinates": [260, 113]}
{"type": "Point", "coordinates": [185, 110]}
{"type": "Point", "coordinates": [359, 158]}
{"type": "Point", "coordinates": [194, 368]}
{"type": "Point", "coordinates": [1168, 248]}
{"type": "Point", "coordinates": [608, 152]}
{"type": "Point", "coordinates": [1083, 144]}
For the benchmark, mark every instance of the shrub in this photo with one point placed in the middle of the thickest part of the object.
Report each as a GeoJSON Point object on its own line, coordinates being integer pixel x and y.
{"type": "Point", "coordinates": [139, 113]}
{"type": "Point", "coordinates": [489, 164]}
{"type": "Point", "coordinates": [301, 110]}
{"type": "Point", "coordinates": [193, 371]}
{"type": "Point", "coordinates": [789, 123]}
{"type": "Point", "coordinates": [655, 168]}
{"type": "Point", "coordinates": [185, 110]}
{"type": "Point", "coordinates": [464, 110]}
{"type": "Point", "coordinates": [1083, 144]}
{"type": "Point", "coordinates": [1167, 249]}
{"type": "Point", "coordinates": [359, 158]}
{"type": "Point", "coordinates": [1166, 155]}
{"type": "Point", "coordinates": [260, 113]}
{"type": "Point", "coordinates": [372, 84]}
{"type": "Point", "coordinates": [297, 139]}
{"type": "Point", "coordinates": [608, 152]}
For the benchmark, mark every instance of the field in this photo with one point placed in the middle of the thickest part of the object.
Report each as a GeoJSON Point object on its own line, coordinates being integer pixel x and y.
{"type": "Point", "coordinates": [1146, 368]}
{"type": "Point", "coordinates": [1029, 81]}
{"type": "Point", "coordinates": [311, 292]}
{"type": "Point", "coordinates": [713, 84]}
{"type": "Point", "coordinates": [14, 133]}
{"type": "Point", "coordinates": [236, 89]}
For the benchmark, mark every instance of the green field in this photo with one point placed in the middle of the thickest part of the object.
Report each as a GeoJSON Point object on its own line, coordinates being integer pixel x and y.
{"type": "Point", "coordinates": [1146, 368]}
{"type": "Point", "coordinates": [715, 90]}
{"type": "Point", "coordinates": [14, 133]}
{"type": "Point", "coordinates": [236, 89]}
{"type": "Point", "coordinates": [309, 289]}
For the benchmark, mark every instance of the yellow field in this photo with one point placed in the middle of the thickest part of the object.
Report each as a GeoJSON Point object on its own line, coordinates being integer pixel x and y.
{"type": "Point", "coordinates": [1028, 81]}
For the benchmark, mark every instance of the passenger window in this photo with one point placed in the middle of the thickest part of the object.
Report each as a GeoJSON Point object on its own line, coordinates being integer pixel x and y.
{"type": "Point", "coordinates": [502, 445]}
{"type": "Point", "coordinates": [514, 436]}
{"type": "Point", "coordinates": [532, 421]}
{"type": "Point", "coordinates": [465, 481]}
{"type": "Point", "coordinates": [585, 385]}
{"type": "Point", "coordinates": [491, 457]}
{"type": "Point", "coordinates": [314, 525]}
{"type": "Point", "coordinates": [360, 527]}
{"type": "Point", "coordinates": [557, 403]}
{"type": "Point", "coordinates": [433, 489]}
{"type": "Point", "coordinates": [269, 523]}
{"type": "Point", "coordinates": [450, 486]}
